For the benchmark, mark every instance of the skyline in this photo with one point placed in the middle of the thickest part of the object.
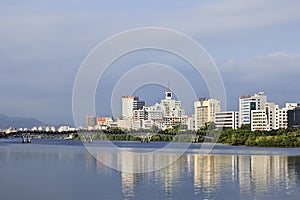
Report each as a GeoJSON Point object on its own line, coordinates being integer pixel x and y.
{"type": "Point", "coordinates": [254, 44]}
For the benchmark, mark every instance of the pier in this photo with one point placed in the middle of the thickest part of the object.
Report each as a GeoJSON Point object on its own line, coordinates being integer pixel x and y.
{"type": "Point", "coordinates": [26, 138]}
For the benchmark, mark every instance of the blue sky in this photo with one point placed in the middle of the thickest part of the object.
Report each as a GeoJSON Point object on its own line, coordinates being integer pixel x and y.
{"type": "Point", "coordinates": [255, 45]}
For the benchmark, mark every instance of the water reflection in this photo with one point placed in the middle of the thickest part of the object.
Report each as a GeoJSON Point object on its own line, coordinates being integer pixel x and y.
{"type": "Point", "coordinates": [70, 172]}
{"type": "Point", "coordinates": [225, 176]}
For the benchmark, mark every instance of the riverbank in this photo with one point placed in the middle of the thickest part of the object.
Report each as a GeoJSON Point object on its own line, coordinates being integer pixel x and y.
{"type": "Point", "coordinates": [275, 138]}
{"type": "Point", "coordinates": [239, 137]}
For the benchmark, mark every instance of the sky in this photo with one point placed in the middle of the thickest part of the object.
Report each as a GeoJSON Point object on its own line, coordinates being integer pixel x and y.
{"type": "Point", "coordinates": [254, 44]}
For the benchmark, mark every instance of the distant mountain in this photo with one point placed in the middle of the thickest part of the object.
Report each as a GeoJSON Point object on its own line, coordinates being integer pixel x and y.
{"type": "Point", "coordinates": [18, 122]}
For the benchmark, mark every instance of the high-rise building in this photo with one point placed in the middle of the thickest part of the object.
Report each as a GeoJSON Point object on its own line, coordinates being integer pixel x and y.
{"type": "Point", "coordinates": [248, 103]}
{"type": "Point", "coordinates": [168, 113]}
{"type": "Point", "coordinates": [205, 110]}
{"type": "Point", "coordinates": [171, 107]}
{"type": "Point", "coordinates": [130, 103]}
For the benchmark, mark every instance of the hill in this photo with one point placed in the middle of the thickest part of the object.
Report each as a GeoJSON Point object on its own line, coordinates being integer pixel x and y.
{"type": "Point", "coordinates": [18, 122]}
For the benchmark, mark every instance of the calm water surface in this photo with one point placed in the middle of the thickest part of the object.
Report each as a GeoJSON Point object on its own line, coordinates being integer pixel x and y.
{"type": "Point", "coordinates": [60, 169]}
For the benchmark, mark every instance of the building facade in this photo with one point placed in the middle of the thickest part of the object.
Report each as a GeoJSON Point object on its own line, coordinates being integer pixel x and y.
{"type": "Point", "coordinates": [90, 121]}
{"type": "Point", "coordinates": [294, 117]}
{"type": "Point", "coordinates": [265, 119]}
{"type": "Point", "coordinates": [283, 114]}
{"type": "Point", "coordinates": [171, 107]}
{"type": "Point", "coordinates": [205, 110]}
{"type": "Point", "coordinates": [130, 103]}
{"type": "Point", "coordinates": [247, 104]}
{"type": "Point", "coordinates": [227, 119]}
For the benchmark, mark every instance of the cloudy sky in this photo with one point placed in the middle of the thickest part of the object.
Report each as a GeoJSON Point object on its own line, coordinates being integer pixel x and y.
{"type": "Point", "coordinates": [255, 45]}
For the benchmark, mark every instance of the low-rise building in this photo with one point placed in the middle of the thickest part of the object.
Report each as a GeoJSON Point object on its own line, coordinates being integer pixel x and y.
{"type": "Point", "coordinates": [63, 128]}
{"type": "Point", "coordinates": [227, 119]}
{"type": "Point", "coordinates": [124, 123]}
{"type": "Point", "coordinates": [283, 114]}
{"type": "Point", "coordinates": [265, 119]}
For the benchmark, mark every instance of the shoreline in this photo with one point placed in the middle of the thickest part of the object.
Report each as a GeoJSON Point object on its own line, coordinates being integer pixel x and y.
{"type": "Point", "coordinates": [125, 138]}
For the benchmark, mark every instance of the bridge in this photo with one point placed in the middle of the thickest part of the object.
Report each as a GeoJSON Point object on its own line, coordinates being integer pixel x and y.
{"type": "Point", "coordinates": [143, 136]}
{"type": "Point", "coordinates": [89, 136]}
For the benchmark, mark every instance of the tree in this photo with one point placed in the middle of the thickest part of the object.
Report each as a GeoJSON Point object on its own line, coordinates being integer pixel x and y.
{"type": "Point", "coordinates": [245, 127]}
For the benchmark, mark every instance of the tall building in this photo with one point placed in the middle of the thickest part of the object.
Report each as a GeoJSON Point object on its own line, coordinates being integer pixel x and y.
{"type": "Point", "coordinates": [90, 121]}
{"type": "Point", "coordinates": [171, 107]}
{"type": "Point", "coordinates": [294, 117]}
{"type": "Point", "coordinates": [168, 113]}
{"type": "Point", "coordinates": [248, 103]}
{"type": "Point", "coordinates": [130, 103]}
{"type": "Point", "coordinates": [205, 111]}
{"type": "Point", "coordinates": [227, 119]}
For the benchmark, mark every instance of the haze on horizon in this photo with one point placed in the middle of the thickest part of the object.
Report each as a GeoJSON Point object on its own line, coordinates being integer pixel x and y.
{"type": "Point", "coordinates": [255, 45]}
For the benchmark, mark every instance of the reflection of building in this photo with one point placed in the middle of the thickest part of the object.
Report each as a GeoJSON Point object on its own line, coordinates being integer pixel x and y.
{"type": "Point", "coordinates": [205, 110]}
{"type": "Point", "coordinates": [244, 174]}
{"type": "Point", "coordinates": [207, 172]}
{"type": "Point", "coordinates": [251, 176]}
{"type": "Point", "coordinates": [128, 181]}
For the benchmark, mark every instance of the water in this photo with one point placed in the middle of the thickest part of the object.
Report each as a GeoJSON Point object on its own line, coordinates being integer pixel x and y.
{"type": "Point", "coordinates": [61, 169]}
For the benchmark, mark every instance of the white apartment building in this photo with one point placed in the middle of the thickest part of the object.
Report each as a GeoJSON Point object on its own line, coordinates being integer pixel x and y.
{"type": "Point", "coordinates": [271, 117]}
{"type": "Point", "coordinates": [283, 116]}
{"type": "Point", "coordinates": [205, 111]}
{"type": "Point", "coordinates": [139, 115]}
{"type": "Point", "coordinates": [227, 119]}
{"type": "Point", "coordinates": [171, 107]}
{"type": "Point", "coordinates": [50, 129]}
{"type": "Point", "coordinates": [259, 120]}
{"type": "Point", "coordinates": [124, 123]}
{"type": "Point", "coordinates": [63, 128]}
{"type": "Point", "coordinates": [171, 121]}
{"type": "Point", "coordinates": [248, 103]}
{"type": "Point", "coordinates": [168, 113]}
{"type": "Point", "coordinates": [154, 112]}
{"type": "Point", "coordinates": [265, 119]}
{"type": "Point", "coordinates": [191, 122]}
{"type": "Point", "coordinates": [130, 103]}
